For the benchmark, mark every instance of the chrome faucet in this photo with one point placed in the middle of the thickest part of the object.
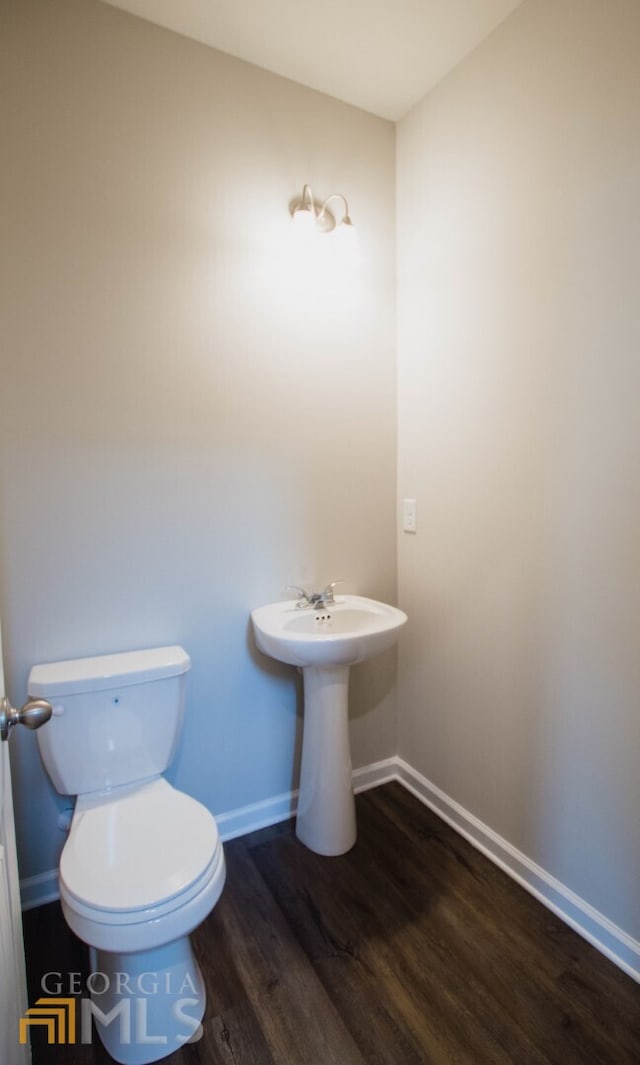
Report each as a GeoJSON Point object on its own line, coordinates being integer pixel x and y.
{"type": "Point", "coordinates": [315, 599]}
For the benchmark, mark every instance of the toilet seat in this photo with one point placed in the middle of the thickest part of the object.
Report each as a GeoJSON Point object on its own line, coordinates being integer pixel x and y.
{"type": "Point", "coordinates": [120, 830]}
{"type": "Point", "coordinates": [138, 852]}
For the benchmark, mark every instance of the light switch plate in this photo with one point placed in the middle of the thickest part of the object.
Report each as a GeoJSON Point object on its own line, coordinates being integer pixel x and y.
{"type": "Point", "coordinates": [409, 516]}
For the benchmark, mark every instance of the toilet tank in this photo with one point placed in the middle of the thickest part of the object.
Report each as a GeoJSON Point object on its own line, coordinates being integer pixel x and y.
{"type": "Point", "coordinates": [116, 718]}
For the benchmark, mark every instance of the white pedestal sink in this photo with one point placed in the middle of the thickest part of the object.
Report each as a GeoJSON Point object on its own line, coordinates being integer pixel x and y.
{"type": "Point", "coordinates": [324, 641]}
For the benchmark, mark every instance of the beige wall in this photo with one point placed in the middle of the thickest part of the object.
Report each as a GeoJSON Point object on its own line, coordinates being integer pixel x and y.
{"type": "Point", "coordinates": [190, 420]}
{"type": "Point", "coordinates": [519, 377]}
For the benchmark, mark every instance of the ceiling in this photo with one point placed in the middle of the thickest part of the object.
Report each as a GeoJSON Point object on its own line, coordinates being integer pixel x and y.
{"type": "Point", "coordinates": [380, 55]}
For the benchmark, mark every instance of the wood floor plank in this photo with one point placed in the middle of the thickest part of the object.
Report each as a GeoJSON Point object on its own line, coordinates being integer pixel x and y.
{"type": "Point", "coordinates": [297, 1018]}
{"type": "Point", "coordinates": [231, 1038]}
{"type": "Point", "coordinates": [388, 956]}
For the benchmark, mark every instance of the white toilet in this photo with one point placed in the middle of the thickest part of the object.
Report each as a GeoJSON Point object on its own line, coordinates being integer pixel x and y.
{"type": "Point", "coordinates": [143, 864]}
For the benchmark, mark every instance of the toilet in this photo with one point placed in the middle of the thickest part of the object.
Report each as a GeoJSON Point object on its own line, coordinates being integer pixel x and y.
{"type": "Point", "coordinates": [143, 864]}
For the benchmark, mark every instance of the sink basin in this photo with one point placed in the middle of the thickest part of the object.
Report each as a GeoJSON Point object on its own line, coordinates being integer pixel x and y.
{"type": "Point", "coordinates": [340, 634]}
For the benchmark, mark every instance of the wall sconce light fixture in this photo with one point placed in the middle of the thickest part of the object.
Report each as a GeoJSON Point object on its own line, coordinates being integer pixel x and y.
{"type": "Point", "coordinates": [308, 217]}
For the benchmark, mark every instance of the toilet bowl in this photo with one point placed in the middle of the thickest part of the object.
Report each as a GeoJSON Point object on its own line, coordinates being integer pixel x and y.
{"type": "Point", "coordinates": [143, 864]}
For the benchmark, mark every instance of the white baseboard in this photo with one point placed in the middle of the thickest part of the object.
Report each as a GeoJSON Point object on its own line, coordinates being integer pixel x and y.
{"type": "Point", "coordinates": [257, 815]}
{"type": "Point", "coordinates": [36, 890]}
{"type": "Point", "coordinates": [372, 776]}
{"type": "Point", "coordinates": [602, 933]}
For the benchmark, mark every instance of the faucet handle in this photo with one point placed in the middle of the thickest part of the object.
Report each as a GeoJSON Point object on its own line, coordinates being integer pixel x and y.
{"type": "Point", "coordinates": [327, 594]}
{"type": "Point", "coordinates": [303, 598]}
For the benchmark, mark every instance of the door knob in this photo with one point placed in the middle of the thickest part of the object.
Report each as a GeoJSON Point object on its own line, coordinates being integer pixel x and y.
{"type": "Point", "coordinates": [33, 714]}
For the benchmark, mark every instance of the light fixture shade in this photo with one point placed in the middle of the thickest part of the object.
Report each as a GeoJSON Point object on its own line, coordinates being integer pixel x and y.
{"type": "Point", "coordinates": [346, 237]}
{"type": "Point", "coordinates": [304, 219]}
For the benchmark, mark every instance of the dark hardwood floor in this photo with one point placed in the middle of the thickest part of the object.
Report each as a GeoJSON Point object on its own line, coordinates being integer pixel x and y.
{"type": "Point", "coordinates": [413, 948]}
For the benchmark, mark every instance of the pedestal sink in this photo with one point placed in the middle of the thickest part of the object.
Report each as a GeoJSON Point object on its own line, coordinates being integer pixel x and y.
{"type": "Point", "coordinates": [324, 641]}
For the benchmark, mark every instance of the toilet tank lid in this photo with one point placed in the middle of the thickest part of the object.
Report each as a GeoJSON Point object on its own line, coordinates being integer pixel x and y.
{"type": "Point", "coordinates": [107, 671]}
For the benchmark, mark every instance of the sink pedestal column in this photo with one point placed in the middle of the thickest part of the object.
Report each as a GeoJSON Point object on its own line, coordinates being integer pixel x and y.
{"type": "Point", "coordinates": [326, 820]}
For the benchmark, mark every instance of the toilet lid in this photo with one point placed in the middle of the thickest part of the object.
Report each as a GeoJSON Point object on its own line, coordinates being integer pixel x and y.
{"type": "Point", "coordinates": [136, 848]}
